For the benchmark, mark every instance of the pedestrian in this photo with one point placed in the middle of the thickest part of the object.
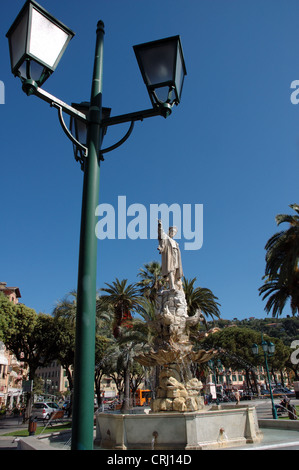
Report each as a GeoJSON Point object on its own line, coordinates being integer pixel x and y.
{"type": "Point", "coordinates": [292, 411]}
{"type": "Point", "coordinates": [237, 397]}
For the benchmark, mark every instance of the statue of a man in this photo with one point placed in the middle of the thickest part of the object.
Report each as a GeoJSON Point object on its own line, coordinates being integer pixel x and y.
{"type": "Point", "coordinates": [171, 257]}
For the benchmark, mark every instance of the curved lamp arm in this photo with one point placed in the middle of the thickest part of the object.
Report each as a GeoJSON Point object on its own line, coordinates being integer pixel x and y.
{"type": "Point", "coordinates": [164, 109]}
{"type": "Point", "coordinates": [121, 141]}
{"type": "Point", "coordinates": [66, 130]}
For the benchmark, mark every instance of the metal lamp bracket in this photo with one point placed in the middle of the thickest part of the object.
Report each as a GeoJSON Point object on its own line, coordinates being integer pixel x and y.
{"type": "Point", "coordinates": [66, 130]}
{"type": "Point", "coordinates": [120, 142]}
{"type": "Point", "coordinates": [81, 146]}
{"type": "Point", "coordinates": [162, 109]}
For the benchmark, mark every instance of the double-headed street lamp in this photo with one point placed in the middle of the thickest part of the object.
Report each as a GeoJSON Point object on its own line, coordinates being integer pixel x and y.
{"type": "Point", "coordinates": [268, 350]}
{"type": "Point", "coordinates": [37, 42]}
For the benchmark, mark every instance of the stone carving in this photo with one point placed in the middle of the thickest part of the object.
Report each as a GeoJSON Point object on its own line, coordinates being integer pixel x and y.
{"type": "Point", "coordinates": [173, 351]}
{"type": "Point", "coordinates": [172, 348]}
{"type": "Point", "coordinates": [173, 395]}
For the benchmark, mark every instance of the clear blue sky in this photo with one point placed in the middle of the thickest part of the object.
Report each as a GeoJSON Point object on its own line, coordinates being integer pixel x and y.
{"type": "Point", "coordinates": [232, 145]}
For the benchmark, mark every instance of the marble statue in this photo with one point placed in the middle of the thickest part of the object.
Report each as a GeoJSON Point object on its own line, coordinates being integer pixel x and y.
{"type": "Point", "coordinates": [171, 257]}
{"type": "Point", "coordinates": [172, 349]}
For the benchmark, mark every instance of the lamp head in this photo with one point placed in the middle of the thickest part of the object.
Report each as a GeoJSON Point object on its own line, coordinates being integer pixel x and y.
{"type": "Point", "coordinates": [79, 129]}
{"type": "Point", "coordinates": [265, 346]}
{"type": "Point", "coordinates": [37, 42]}
{"type": "Point", "coordinates": [163, 69]}
{"type": "Point", "coordinates": [271, 348]}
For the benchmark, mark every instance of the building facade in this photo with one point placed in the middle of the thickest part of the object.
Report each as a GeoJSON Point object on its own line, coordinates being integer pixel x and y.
{"type": "Point", "coordinates": [54, 380]}
{"type": "Point", "coordinates": [13, 293]}
{"type": "Point", "coordinates": [12, 371]}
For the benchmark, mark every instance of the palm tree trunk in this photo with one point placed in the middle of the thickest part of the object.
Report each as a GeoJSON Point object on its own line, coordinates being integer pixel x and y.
{"type": "Point", "coordinates": [126, 401]}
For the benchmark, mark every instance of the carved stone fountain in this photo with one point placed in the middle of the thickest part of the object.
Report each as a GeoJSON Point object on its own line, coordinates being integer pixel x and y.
{"type": "Point", "coordinates": [178, 418]}
{"type": "Point", "coordinates": [172, 350]}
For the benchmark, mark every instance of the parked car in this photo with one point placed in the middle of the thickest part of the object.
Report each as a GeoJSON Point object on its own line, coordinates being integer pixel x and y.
{"type": "Point", "coordinates": [43, 410]}
{"type": "Point", "coordinates": [53, 405]}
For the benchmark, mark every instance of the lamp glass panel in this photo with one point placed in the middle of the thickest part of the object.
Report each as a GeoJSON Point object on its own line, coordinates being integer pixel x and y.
{"type": "Point", "coordinates": [158, 62]}
{"type": "Point", "coordinates": [271, 348]}
{"type": "Point", "coordinates": [18, 40]}
{"type": "Point", "coordinates": [46, 40]}
{"type": "Point", "coordinates": [35, 70]}
{"type": "Point", "coordinates": [81, 132]}
{"type": "Point", "coordinates": [163, 93]}
{"type": "Point", "coordinates": [265, 346]}
{"type": "Point", "coordinates": [179, 73]}
{"type": "Point", "coordinates": [78, 128]}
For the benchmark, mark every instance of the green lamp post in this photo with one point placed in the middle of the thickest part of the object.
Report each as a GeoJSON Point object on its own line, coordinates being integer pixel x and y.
{"type": "Point", "coordinates": [268, 350]}
{"type": "Point", "coordinates": [37, 42]}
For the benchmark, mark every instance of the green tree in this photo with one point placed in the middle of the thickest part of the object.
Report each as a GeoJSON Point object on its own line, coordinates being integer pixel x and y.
{"type": "Point", "coordinates": [283, 247]}
{"type": "Point", "coordinates": [7, 312]}
{"type": "Point", "coordinates": [65, 338]}
{"type": "Point", "coordinates": [200, 298]}
{"type": "Point", "coordinates": [65, 323]}
{"type": "Point", "coordinates": [151, 280]}
{"type": "Point", "coordinates": [65, 316]}
{"type": "Point", "coordinates": [142, 336]}
{"type": "Point", "coordinates": [104, 349]}
{"type": "Point", "coordinates": [279, 292]}
{"type": "Point", "coordinates": [31, 337]}
{"type": "Point", "coordinates": [123, 298]}
{"type": "Point", "coordinates": [133, 373]}
{"type": "Point", "coordinates": [67, 308]}
{"type": "Point", "coordinates": [235, 349]}
{"type": "Point", "coordinates": [143, 329]}
{"type": "Point", "coordinates": [281, 271]}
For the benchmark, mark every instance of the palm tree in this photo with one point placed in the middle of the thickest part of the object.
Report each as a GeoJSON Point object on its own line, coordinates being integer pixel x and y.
{"type": "Point", "coordinates": [64, 314]}
{"type": "Point", "coordinates": [143, 330]}
{"type": "Point", "coordinates": [279, 293]}
{"type": "Point", "coordinates": [200, 298]}
{"type": "Point", "coordinates": [282, 270]}
{"type": "Point", "coordinates": [123, 299]}
{"type": "Point", "coordinates": [67, 308]}
{"type": "Point", "coordinates": [151, 280]}
{"type": "Point", "coordinates": [283, 248]}
{"type": "Point", "coordinates": [141, 337]}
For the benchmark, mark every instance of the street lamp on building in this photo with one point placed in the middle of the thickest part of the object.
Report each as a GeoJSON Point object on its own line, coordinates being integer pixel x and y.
{"type": "Point", "coordinates": [37, 42]}
{"type": "Point", "coordinates": [268, 350]}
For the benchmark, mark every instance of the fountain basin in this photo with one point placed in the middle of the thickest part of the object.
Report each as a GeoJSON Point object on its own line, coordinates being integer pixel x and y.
{"type": "Point", "coordinates": [213, 428]}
